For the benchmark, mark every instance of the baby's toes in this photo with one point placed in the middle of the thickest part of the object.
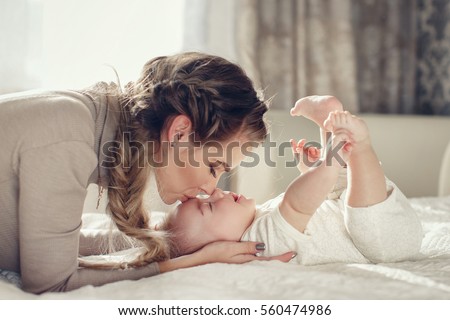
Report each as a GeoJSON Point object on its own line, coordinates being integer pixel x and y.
{"type": "Point", "coordinates": [343, 118]}
{"type": "Point", "coordinates": [299, 106]}
{"type": "Point", "coordinates": [329, 123]}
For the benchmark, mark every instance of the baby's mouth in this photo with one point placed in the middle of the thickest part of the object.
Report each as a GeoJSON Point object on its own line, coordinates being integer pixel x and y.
{"type": "Point", "coordinates": [235, 196]}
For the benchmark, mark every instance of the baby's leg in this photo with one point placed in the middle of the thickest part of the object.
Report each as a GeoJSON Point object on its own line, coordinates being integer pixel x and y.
{"type": "Point", "coordinates": [366, 180]}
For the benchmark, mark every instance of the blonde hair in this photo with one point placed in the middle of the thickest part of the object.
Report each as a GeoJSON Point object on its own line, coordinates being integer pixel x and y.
{"type": "Point", "coordinates": [220, 101]}
{"type": "Point", "coordinates": [180, 243]}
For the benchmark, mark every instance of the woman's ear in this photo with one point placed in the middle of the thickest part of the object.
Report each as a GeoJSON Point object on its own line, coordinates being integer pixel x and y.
{"type": "Point", "coordinates": [179, 129]}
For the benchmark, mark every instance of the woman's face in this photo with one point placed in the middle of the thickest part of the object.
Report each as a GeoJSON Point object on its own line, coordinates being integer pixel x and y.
{"type": "Point", "coordinates": [191, 170]}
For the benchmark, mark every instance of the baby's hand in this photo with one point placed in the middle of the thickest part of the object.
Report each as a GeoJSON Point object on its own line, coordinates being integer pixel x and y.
{"type": "Point", "coordinates": [305, 155]}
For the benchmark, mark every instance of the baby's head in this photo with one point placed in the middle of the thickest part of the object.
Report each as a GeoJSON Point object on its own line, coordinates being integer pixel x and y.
{"type": "Point", "coordinates": [197, 222]}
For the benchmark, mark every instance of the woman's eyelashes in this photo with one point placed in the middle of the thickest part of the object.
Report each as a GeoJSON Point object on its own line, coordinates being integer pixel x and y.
{"type": "Point", "coordinates": [212, 170]}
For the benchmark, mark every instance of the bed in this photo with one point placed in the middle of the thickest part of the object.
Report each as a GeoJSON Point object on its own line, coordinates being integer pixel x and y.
{"type": "Point", "coordinates": [426, 183]}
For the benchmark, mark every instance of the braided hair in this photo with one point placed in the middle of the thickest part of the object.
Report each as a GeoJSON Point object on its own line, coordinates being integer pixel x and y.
{"type": "Point", "coordinates": [218, 98]}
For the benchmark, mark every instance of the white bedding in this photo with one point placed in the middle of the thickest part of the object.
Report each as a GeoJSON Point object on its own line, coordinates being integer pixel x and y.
{"type": "Point", "coordinates": [428, 278]}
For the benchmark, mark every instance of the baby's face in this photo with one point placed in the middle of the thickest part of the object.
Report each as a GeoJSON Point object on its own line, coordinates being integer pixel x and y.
{"type": "Point", "coordinates": [222, 216]}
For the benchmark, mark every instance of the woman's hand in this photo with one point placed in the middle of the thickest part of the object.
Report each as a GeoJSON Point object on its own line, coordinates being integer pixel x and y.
{"type": "Point", "coordinates": [224, 252]}
{"type": "Point", "coordinates": [237, 252]}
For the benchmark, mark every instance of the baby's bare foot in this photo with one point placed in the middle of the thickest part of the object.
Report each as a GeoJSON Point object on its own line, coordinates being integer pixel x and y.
{"type": "Point", "coordinates": [337, 152]}
{"type": "Point", "coordinates": [316, 108]}
{"type": "Point", "coordinates": [343, 120]}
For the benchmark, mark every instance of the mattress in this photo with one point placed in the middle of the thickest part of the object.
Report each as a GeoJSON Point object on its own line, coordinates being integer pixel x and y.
{"type": "Point", "coordinates": [425, 278]}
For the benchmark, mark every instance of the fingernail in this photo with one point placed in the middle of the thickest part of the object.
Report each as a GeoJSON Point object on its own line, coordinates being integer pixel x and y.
{"type": "Point", "coordinates": [294, 255]}
{"type": "Point", "coordinates": [261, 246]}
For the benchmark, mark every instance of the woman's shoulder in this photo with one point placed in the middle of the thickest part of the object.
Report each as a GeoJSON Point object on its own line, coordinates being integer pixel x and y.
{"type": "Point", "coordinates": [40, 117]}
{"type": "Point", "coordinates": [42, 100]}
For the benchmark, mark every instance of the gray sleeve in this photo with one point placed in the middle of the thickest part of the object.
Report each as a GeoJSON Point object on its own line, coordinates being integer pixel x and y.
{"type": "Point", "coordinates": [53, 181]}
{"type": "Point", "coordinates": [388, 231]}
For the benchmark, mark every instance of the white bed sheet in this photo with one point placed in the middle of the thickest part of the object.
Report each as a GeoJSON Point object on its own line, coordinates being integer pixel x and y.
{"type": "Point", "coordinates": [427, 278]}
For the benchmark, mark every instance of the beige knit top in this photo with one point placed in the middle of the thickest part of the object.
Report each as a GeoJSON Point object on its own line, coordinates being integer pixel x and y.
{"type": "Point", "coordinates": [51, 148]}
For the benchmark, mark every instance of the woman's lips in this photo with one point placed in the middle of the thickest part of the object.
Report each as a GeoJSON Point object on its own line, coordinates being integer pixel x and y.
{"type": "Point", "coordinates": [186, 197]}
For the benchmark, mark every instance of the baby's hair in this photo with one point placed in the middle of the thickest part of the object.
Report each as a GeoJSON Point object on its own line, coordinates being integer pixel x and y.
{"type": "Point", "coordinates": [221, 103]}
{"type": "Point", "coordinates": [173, 236]}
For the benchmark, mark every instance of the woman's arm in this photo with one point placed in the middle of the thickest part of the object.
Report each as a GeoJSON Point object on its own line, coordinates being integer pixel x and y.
{"type": "Point", "coordinates": [53, 180]}
{"type": "Point", "coordinates": [221, 251]}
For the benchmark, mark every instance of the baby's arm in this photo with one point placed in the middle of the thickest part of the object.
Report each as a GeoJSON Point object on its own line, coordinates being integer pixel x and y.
{"type": "Point", "coordinates": [307, 192]}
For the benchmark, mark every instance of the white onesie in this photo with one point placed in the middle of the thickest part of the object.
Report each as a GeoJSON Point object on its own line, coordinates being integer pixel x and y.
{"type": "Point", "coordinates": [386, 232]}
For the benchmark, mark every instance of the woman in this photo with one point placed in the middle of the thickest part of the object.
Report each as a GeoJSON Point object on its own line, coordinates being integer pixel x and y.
{"type": "Point", "coordinates": [56, 143]}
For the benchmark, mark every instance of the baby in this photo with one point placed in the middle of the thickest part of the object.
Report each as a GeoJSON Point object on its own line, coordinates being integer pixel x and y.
{"type": "Point", "coordinates": [369, 221]}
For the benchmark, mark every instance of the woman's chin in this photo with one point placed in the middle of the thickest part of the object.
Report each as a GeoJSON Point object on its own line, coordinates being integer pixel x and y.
{"type": "Point", "coordinates": [169, 199]}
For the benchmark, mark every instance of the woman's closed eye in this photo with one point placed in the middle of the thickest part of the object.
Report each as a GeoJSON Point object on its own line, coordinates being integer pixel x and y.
{"type": "Point", "coordinates": [218, 165]}
{"type": "Point", "coordinates": [212, 170]}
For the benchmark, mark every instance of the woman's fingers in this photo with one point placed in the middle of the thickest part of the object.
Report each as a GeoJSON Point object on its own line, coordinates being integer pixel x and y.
{"type": "Point", "coordinates": [252, 250]}
{"type": "Point", "coordinates": [285, 257]}
{"type": "Point", "coordinates": [249, 247]}
{"type": "Point", "coordinates": [230, 251]}
{"type": "Point", "coordinates": [240, 252]}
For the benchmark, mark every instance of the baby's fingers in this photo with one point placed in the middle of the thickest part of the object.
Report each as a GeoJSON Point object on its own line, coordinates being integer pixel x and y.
{"type": "Point", "coordinates": [297, 147]}
{"type": "Point", "coordinates": [313, 154]}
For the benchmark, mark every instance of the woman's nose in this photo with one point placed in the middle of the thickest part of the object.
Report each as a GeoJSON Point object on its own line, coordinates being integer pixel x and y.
{"type": "Point", "coordinates": [210, 186]}
{"type": "Point", "coordinates": [217, 194]}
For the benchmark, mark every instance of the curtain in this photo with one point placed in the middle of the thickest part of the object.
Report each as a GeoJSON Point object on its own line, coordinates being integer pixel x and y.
{"type": "Point", "coordinates": [385, 33]}
{"type": "Point", "coordinates": [377, 56]}
{"type": "Point", "coordinates": [298, 48]}
{"type": "Point", "coordinates": [433, 54]}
